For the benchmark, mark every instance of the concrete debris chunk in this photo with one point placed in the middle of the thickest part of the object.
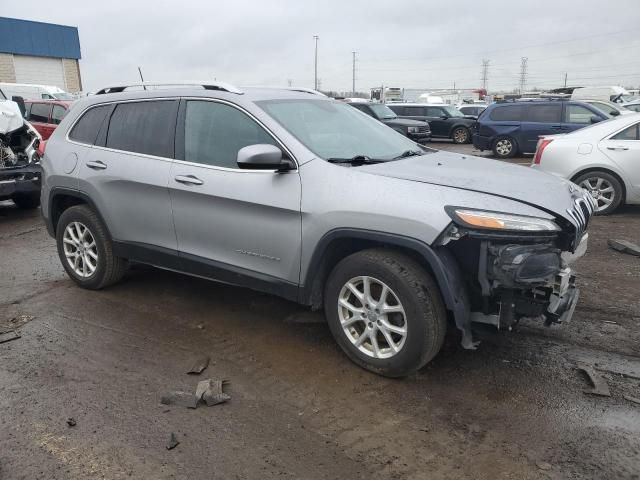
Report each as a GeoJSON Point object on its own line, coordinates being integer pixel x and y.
{"type": "Point", "coordinates": [600, 386]}
{"type": "Point", "coordinates": [632, 399]}
{"type": "Point", "coordinates": [210, 391]}
{"type": "Point", "coordinates": [173, 442]}
{"type": "Point", "coordinates": [8, 336]}
{"type": "Point", "coordinates": [180, 398]}
{"type": "Point", "coordinates": [199, 365]}
{"type": "Point", "coordinates": [624, 246]}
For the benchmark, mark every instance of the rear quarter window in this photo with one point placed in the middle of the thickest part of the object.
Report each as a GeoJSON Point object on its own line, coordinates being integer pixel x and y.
{"type": "Point", "coordinates": [507, 113]}
{"type": "Point", "coordinates": [86, 129]}
{"type": "Point", "coordinates": [39, 112]}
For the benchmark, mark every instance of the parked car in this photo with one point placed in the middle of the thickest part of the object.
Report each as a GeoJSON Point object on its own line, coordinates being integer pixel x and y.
{"type": "Point", "coordinates": [604, 159]}
{"type": "Point", "coordinates": [415, 130]}
{"type": "Point", "coordinates": [19, 160]}
{"type": "Point", "coordinates": [607, 93]}
{"type": "Point", "coordinates": [446, 121]}
{"type": "Point", "coordinates": [46, 115]}
{"type": "Point", "coordinates": [472, 110]}
{"type": "Point", "coordinates": [30, 91]}
{"type": "Point", "coordinates": [512, 127]}
{"type": "Point", "coordinates": [610, 108]}
{"type": "Point", "coordinates": [302, 196]}
{"type": "Point", "coordinates": [633, 106]}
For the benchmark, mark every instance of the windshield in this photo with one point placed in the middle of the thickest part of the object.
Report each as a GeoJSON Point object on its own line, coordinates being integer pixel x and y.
{"type": "Point", "coordinates": [382, 111]}
{"type": "Point", "coordinates": [453, 111]}
{"type": "Point", "coordinates": [337, 130]}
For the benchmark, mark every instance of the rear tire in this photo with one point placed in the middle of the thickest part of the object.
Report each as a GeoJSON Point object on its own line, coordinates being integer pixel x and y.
{"type": "Point", "coordinates": [505, 147]}
{"type": "Point", "coordinates": [382, 339]}
{"type": "Point", "coordinates": [461, 135]}
{"type": "Point", "coordinates": [85, 249]}
{"type": "Point", "coordinates": [605, 189]}
{"type": "Point", "coordinates": [27, 201]}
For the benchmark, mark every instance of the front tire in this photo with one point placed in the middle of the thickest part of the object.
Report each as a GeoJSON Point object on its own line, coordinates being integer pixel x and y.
{"type": "Point", "coordinates": [461, 135]}
{"type": "Point", "coordinates": [605, 189]}
{"type": "Point", "coordinates": [86, 251]}
{"type": "Point", "coordinates": [505, 147]}
{"type": "Point", "coordinates": [27, 201]}
{"type": "Point", "coordinates": [385, 311]}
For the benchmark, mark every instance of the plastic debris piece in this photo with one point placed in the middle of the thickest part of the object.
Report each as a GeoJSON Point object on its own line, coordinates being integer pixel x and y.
{"type": "Point", "coordinates": [8, 336]}
{"type": "Point", "coordinates": [173, 442]}
{"type": "Point", "coordinates": [199, 365]}
{"type": "Point", "coordinates": [71, 422]}
{"type": "Point", "coordinates": [210, 391]}
{"type": "Point", "coordinates": [624, 246]}
{"type": "Point", "coordinates": [180, 398]}
{"type": "Point", "coordinates": [600, 386]}
{"type": "Point", "coordinates": [632, 399]}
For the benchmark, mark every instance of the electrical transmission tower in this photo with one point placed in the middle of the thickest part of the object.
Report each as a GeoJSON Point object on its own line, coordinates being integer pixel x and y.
{"type": "Point", "coordinates": [485, 73]}
{"type": "Point", "coordinates": [523, 74]}
{"type": "Point", "coordinates": [353, 86]}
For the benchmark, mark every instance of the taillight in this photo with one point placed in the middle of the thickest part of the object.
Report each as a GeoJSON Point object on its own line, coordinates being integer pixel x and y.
{"type": "Point", "coordinates": [542, 144]}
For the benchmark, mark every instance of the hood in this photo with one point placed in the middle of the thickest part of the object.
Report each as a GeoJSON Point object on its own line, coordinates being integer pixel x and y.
{"type": "Point", "coordinates": [10, 116]}
{"type": "Point", "coordinates": [533, 187]}
{"type": "Point", "coordinates": [404, 122]}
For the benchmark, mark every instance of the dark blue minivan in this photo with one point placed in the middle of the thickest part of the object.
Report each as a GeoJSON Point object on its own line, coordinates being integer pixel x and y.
{"type": "Point", "coordinates": [512, 127]}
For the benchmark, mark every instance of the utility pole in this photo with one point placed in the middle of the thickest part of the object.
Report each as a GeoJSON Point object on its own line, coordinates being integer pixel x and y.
{"type": "Point", "coordinates": [523, 74]}
{"type": "Point", "coordinates": [565, 79]}
{"type": "Point", "coordinates": [315, 82]}
{"type": "Point", "coordinates": [485, 74]}
{"type": "Point", "coordinates": [353, 87]}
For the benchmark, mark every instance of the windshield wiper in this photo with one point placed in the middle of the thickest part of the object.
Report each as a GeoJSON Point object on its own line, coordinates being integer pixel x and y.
{"type": "Point", "coordinates": [357, 160]}
{"type": "Point", "coordinates": [409, 153]}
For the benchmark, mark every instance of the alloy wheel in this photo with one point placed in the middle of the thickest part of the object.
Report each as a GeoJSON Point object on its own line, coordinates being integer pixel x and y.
{"type": "Point", "coordinates": [372, 317]}
{"type": "Point", "coordinates": [504, 147]}
{"type": "Point", "coordinates": [80, 249]}
{"type": "Point", "coordinates": [600, 190]}
{"type": "Point", "coordinates": [460, 135]}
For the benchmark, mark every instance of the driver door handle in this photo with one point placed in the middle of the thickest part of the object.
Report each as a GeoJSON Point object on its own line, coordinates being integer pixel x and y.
{"type": "Point", "coordinates": [188, 180]}
{"type": "Point", "coordinates": [618, 148]}
{"type": "Point", "coordinates": [97, 165]}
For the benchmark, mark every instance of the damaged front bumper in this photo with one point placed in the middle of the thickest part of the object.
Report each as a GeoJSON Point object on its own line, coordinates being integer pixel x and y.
{"type": "Point", "coordinates": [20, 180]}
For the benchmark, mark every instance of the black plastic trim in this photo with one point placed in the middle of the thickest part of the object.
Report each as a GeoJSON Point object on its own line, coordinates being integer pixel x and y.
{"type": "Point", "coordinates": [56, 191]}
{"type": "Point", "coordinates": [422, 248]}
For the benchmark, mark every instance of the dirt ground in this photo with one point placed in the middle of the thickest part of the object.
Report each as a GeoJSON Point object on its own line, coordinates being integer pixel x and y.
{"type": "Point", "coordinates": [513, 409]}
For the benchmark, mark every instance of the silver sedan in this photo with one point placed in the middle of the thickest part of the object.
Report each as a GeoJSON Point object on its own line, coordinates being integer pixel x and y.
{"type": "Point", "coordinates": [603, 158]}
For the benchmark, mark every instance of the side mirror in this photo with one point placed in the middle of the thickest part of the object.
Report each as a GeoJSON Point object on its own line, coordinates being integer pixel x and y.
{"type": "Point", "coordinates": [21, 105]}
{"type": "Point", "coordinates": [263, 156]}
{"type": "Point", "coordinates": [595, 119]}
{"type": "Point", "coordinates": [615, 113]}
{"type": "Point", "coordinates": [444, 117]}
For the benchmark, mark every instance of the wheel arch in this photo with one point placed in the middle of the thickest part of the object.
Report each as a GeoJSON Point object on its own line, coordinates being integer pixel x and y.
{"type": "Point", "coordinates": [61, 199]}
{"type": "Point", "coordinates": [342, 242]}
{"type": "Point", "coordinates": [609, 171]}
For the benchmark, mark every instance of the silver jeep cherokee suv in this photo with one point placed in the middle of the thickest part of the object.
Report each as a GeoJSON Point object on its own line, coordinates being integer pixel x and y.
{"type": "Point", "coordinates": [292, 193]}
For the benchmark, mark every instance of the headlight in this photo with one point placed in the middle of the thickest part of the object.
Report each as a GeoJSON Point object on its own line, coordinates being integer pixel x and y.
{"type": "Point", "coordinates": [500, 221]}
{"type": "Point", "coordinates": [414, 129]}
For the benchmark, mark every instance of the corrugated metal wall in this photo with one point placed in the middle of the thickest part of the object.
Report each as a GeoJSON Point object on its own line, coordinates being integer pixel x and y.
{"type": "Point", "coordinates": [24, 37]}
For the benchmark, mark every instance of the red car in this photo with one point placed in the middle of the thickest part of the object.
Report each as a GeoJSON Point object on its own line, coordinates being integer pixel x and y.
{"type": "Point", "coordinates": [45, 115]}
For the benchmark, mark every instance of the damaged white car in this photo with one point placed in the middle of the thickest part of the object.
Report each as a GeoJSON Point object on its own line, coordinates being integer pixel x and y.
{"type": "Point", "coordinates": [20, 171]}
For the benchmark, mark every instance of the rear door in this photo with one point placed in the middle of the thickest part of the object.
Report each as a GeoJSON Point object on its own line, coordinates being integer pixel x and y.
{"type": "Point", "coordinates": [127, 172]}
{"type": "Point", "coordinates": [438, 120]}
{"type": "Point", "coordinates": [623, 148]}
{"type": "Point", "coordinates": [537, 120]}
{"type": "Point", "coordinates": [232, 224]}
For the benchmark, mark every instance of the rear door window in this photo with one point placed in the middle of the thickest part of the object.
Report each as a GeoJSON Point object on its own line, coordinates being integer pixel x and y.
{"type": "Point", "coordinates": [144, 127]}
{"type": "Point", "coordinates": [434, 112]}
{"type": "Point", "coordinates": [40, 112]}
{"type": "Point", "coordinates": [578, 114]}
{"type": "Point", "coordinates": [544, 113]}
{"type": "Point", "coordinates": [58, 114]}
{"type": "Point", "coordinates": [86, 129]}
{"type": "Point", "coordinates": [629, 133]}
{"type": "Point", "coordinates": [414, 111]}
{"type": "Point", "coordinates": [507, 113]}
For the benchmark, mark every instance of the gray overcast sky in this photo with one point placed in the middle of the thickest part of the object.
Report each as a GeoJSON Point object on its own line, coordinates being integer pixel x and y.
{"type": "Point", "coordinates": [404, 43]}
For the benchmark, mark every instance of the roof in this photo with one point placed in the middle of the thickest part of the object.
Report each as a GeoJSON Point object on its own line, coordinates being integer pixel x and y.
{"type": "Point", "coordinates": [25, 37]}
